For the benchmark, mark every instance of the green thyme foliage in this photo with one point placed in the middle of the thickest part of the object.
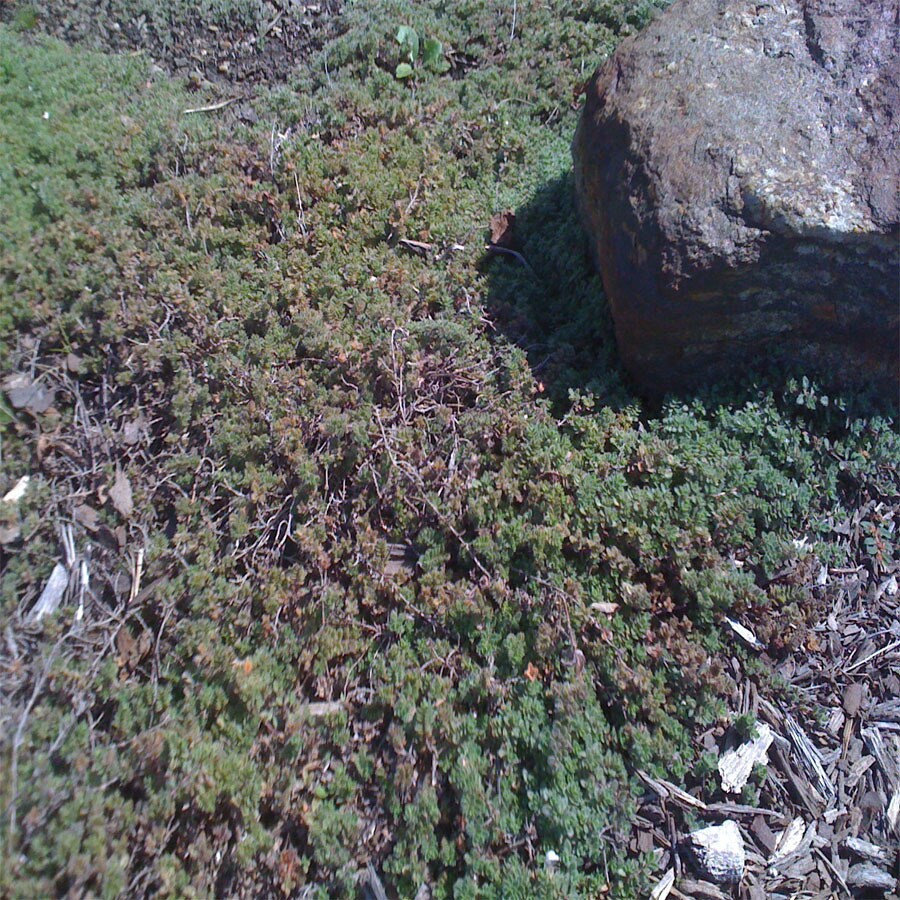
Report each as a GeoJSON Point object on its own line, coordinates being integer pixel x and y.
{"type": "Point", "coordinates": [386, 488]}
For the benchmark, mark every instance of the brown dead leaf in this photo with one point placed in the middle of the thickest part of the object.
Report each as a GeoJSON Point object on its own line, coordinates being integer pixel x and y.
{"type": "Point", "coordinates": [244, 665]}
{"type": "Point", "coordinates": [10, 531]}
{"type": "Point", "coordinates": [121, 496]}
{"type": "Point", "coordinates": [579, 91]}
{"type": "Point", "coordinates": [133, 431]}
{"type": "Point", "coordinates": [126, 645]}
{"type": "Point", "coordinates": [502, 229]}
{"type": "Point", "coordinates": [532, 672]}
{"type": "Point", "coordinates": [48, 444]}
{"type": "Point", "coordinates": [132, 649]}
{"type": "Point", "coordinates": [87, 516]}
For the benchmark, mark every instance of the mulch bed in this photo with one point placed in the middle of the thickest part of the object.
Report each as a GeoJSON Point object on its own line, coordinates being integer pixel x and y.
{"type": "Point", "coordinates": [827, 822]}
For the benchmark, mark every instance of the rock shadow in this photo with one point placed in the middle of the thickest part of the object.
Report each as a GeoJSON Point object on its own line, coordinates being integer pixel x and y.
{"type": "Point", "coordinates": [547, 297]}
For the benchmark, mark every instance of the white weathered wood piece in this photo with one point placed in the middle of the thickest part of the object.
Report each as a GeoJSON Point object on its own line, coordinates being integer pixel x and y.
{"type": "Point", "coordinates": [893, 812]}
{"type": "Point", "coordinates": [885, 758]}
{"type": "Point", "coordinates": [810, 758]}
{"type": "Point", "coordinates": [868, 850]}
{"type": "Point", "coordinates": [52, 595]}
{"type": "Point", "coordinates": [736, 765]}
{"type": "Point", "coordinates": [664, 887]}
{"type": "Point", "coordinates": [745, 634]}
{"type": "Point", "coordinates": [789, 840]}
{"type": "Point", "coordinates": [870, 877]}
{"type": "Point", "coordinates": [18, 490]}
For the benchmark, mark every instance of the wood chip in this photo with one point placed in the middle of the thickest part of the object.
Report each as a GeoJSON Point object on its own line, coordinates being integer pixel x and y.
{"type": "Point", "coordinates": [798, 866]}
{"type": "Point", "coordinates": [605, 608]}
{"type": "Point", "coordinates": [698, 890]}
{"type": "Point", "coordinates": [325, 708]}
{"type": "Point", "coordinates": [211, 108]}
{"type": "Point", "coordinates": [52, 594]}
{"type": "Point", "coordinates": [744, 633]}
{"type": "Point", "coordinates": [857, 770]}
{"type": "Point", "coordinates": [373, 888]}
{"type": "Point", "coordinates": [867, 850]}
{"type": "Point", "coordinates": [835, 721]}
{"type": "Point", "coordinates": [809, 756]}
{"type": "Point", "coordinates": [888, 711]}
{"type": "Point", "coordinates": [788, 841]}
{"type": "Point", "coordinates": [664, 887]}
{"type": "Point", "coordinates": [869, 877]}
{"type": "Point", "coordinates": [87, 516]}
{"type": "Point", "coordinates": [886, 760]}
{"type": "Point", "coordinates": [17, 492]}
{"type": "Point", "coordinates": [419, 247]}
{"type": "Point", "coordinates": [736, 765]}
{"type": "Point", "coordinates": [668, 790]}
{"type": "Point", "coordinates": [893, 813]}
{"type": "Point", "coordinates": [741, 809]}
{"type": "Point", "coordinates": [853, 697]}
{"type": "Point", "coordinates": [800, 787]}
{"type": "Point", "coordinates": [873, 654]}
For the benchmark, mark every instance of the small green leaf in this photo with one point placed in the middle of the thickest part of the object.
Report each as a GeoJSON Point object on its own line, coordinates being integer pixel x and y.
{"type": "Point", "coordinates": [432, 52]}
{"type": "Point", "coordinates": [409, 42]}
{"type": "Point", "coordinates": [7, 416]}
{"type": "Point", "coordinates": [404, 70]}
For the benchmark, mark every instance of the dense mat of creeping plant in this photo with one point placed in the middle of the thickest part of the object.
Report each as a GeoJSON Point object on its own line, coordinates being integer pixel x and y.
{"type": "Point", "coordinates": [386, 563]}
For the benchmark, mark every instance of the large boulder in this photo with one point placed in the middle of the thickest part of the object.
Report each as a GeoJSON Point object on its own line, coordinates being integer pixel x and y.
{"type": "Point", "coordinates": [737, 172]}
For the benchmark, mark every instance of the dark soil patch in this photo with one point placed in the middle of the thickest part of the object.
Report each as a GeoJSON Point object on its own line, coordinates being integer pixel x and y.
{"type": "Point", "coordinates": [259, 48]}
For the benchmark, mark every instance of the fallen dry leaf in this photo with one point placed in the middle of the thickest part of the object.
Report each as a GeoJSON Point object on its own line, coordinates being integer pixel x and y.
{"type": "Point", "coordinates": [121, 496]}
{"type": "Point", "coordinates": [502, 229]}
{"type": "Point", "coordinates": [25, 393]}
{"type": "Point", "coordinates": [10, 532]}
{"type": "Point", "coordinates": [87, 516]}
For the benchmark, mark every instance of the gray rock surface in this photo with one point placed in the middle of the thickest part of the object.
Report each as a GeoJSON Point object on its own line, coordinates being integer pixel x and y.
{"type": "Point", "coordinates": [718, 852]}
{"type": "Point", "coordinates": [737, 172]}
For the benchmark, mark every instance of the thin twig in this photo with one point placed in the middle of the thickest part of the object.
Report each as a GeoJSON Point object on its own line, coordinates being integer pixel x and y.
{"type": "Point", "coordinates": [834, 872]}
{"type": "Point", "coordinates": [211, 108]}
{"type": "Point", "coordinates": [873, 655]}
{"type": "Point", "coordinates": [138, 574]}
{"type": "Point", "coordinates": [272, 149]}
{"type": "Point", "coordinates": [301, 218]}
{"type": "Point", "coordinates": [273, 23]}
